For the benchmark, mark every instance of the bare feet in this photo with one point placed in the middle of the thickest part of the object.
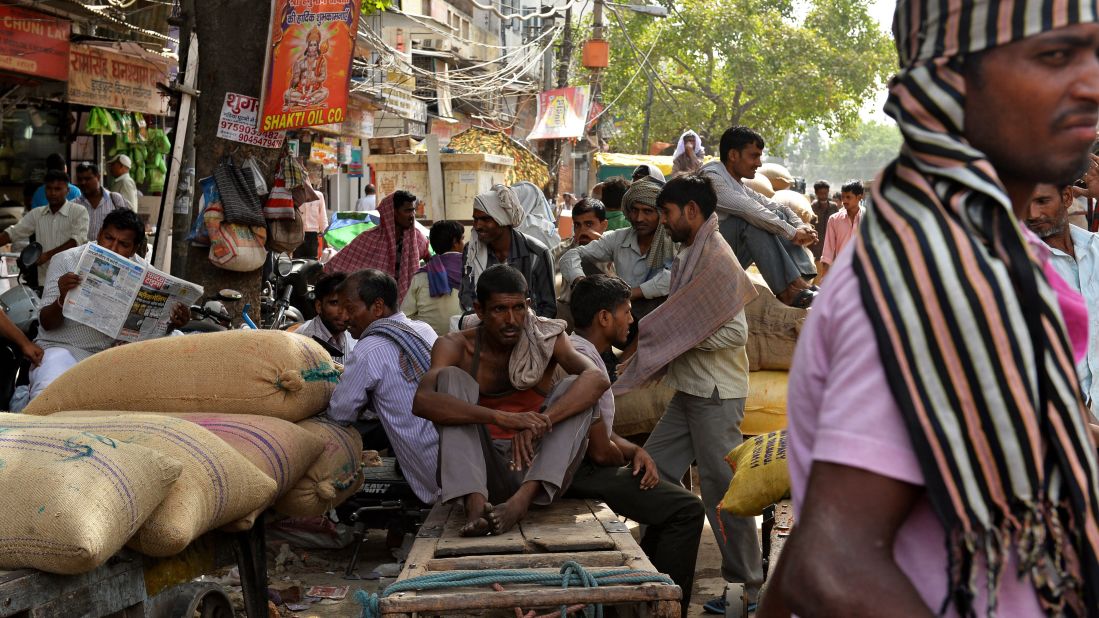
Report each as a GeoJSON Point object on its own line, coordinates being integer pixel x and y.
{"type": "Point", "coordinates": [479, 514]}
{"type": "Point", "coordinates": [505, 516]}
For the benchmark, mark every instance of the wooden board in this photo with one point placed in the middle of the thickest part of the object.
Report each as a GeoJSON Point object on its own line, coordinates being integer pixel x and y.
{"type": "Point", "coordinates": [113, 587]}
{"type": "Point", "coordinates": [570, 525]}
{"type": "Point", "coordinates": [583, 531]}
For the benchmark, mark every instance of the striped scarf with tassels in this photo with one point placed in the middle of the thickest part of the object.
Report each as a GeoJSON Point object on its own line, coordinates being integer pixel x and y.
{"type": "Point", "coordinates": [970, 331]}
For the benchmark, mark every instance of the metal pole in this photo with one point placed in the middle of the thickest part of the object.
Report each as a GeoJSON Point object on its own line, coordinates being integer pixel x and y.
{"type": "Point", "coordinates": [648, 115]}
{"type": "Point", "coordinates": [596, 92]}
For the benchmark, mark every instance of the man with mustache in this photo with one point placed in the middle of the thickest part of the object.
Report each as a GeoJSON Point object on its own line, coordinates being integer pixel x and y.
{"type": "Point", "coordinates": [1075, 255]}
{"type": "Point", "coordinates": [493, 395]}
{"type": "Point", "coordinates": [940, 455]}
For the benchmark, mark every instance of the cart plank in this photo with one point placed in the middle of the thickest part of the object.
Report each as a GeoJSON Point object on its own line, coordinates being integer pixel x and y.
{"type": "Point", "coordinates": [572, 526]}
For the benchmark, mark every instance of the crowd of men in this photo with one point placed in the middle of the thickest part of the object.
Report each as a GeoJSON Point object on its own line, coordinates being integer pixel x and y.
{"type": "Point", "coordinates": [941, 442]}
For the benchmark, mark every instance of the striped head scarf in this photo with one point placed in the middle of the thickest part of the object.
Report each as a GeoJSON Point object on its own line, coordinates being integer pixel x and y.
{"type": "Point", "coordinates": [662, 250]}
{"type": "Point", "coordinates": [969, 329]}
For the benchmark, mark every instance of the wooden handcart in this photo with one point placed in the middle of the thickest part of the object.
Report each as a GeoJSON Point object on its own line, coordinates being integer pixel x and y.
{"type": "Point", "coordinates": [582, 531]}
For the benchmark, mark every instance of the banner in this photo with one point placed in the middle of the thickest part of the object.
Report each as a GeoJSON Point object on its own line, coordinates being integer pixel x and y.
{"type": "Point", "coordinates": [34, 43]}
{"type": "Point", "coordinates": [309, 51]}
{"type": "Point", "coordinates": [562, 113]}
{"type": "Point", "coordinates": [101, 77]}
{"type": "Point", "coordinates": [238, 122]}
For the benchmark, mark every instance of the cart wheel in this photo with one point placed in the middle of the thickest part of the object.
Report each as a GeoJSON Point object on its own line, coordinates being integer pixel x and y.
{"type": "Point", "coordinates": [192, 600]}
{"type": "Point", "coordinates": [736, 601]}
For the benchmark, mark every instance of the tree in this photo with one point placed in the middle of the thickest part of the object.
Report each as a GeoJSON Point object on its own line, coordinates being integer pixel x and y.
{"type": "Point", "coordinates": [764, 63]}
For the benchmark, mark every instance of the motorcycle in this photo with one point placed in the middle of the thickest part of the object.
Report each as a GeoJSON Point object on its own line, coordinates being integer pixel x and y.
{"type": "Point", "coordinates": [21, 303]}
{"type": "Point", "coordinates": [288, 290]}
{"type": "Point", "coordinates": [212, 316]}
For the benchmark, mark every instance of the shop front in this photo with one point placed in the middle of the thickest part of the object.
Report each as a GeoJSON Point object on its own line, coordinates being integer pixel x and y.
{"type": "Point", "coordinates": [34, 119]}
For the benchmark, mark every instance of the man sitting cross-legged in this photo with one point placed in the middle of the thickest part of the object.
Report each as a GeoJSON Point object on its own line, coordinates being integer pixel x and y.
{"type": "Point", "coordinates": [618, 471]}
{"type": "Point", "coordinates": [491, 394]}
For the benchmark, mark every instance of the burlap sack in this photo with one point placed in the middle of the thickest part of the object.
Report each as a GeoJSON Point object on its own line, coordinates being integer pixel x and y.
{"type": "Point", "coordinates": [796, 202]}
{"type": "Point", "coordinates": [217, 486]}
{"type": "Point", "coordinates": [773, 328]}
{"type": "Point", "coordinates": [760, 184]}
{"type": "Point", "coordinates": [637, 412]}
{"type": "Point", "coordinates": [760, 475]}
{"type": "Point", "coordinates": [280, 449]}
{"type": "Point", "coordinates": [262, 372]}
{"type": "Point", "coordinates": [333, 477]}
{"type": "Point", "coordinates": [72, 499]}
{"type": "Point", "coordinates": [765, 409]}
{"type": "Point", "coordinates": [780, 177]}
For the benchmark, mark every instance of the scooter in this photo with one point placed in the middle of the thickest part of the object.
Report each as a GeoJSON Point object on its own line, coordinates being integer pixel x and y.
{"type": "Point", "coordinates": [21, 303]}
{"type": "Point", "coordinates": [288, 290]}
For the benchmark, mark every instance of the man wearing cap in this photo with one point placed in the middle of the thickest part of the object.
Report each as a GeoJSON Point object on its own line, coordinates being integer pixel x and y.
{"type": "Point", "coordinates": [496, 215]}
{"type": "Point", "coordinates": [119, 166]}
{"type": "Point", "coordinates": [642, 254]}
{"type": "Point", "coordinates": [940, 456]}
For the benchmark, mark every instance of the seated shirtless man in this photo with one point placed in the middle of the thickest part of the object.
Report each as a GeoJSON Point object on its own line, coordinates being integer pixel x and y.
{"type": "Point", "coordinates": [491, 394]}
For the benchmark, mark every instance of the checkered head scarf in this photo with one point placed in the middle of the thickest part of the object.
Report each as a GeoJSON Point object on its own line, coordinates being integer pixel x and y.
{"type": "Point", "coordinates": [969, 330]}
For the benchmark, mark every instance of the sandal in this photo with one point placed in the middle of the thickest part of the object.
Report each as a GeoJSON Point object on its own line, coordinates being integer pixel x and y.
{"type": "Point", "coordinates": [804, 299]}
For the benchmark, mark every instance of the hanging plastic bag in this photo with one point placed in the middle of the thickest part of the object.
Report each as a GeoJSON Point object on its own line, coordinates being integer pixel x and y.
{"type": "Point", "coordinates": [238, 194]}
{"type": "Point", "coordinates": [252, 166]}
{"type": "Point", "coordinates": [235, 247]}
{"type": "Point", "coordinates": [199, 236]}
{"type": "Point", "coordinates": [283, 235]}
{"type": "Point", "coordinates": [280, 202]}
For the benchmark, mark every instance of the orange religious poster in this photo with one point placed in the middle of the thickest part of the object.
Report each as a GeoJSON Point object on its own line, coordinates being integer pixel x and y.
{"type": "Point", "coordinates": [309, 53]}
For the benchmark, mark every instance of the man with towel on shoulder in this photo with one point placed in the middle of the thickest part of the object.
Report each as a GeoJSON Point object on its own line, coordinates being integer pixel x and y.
{"type": "Point", "coordinates": [494, 392]}
{"type": "Point", "coordinates": [496, 215]}
{"type": "Point", "coordinates": [695, 341]}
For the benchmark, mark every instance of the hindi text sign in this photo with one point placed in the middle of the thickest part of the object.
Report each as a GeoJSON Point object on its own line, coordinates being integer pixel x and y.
{"type": "Point", "coordinates": [238, 123]}
{"type": "Point", "coordinates": [101, 77]}
{"type": "Point", "coordinates": [309, 51]}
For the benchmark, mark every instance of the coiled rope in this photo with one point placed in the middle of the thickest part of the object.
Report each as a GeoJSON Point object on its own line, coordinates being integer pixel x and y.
{"type": "Point", "coordinates": [571, 574]}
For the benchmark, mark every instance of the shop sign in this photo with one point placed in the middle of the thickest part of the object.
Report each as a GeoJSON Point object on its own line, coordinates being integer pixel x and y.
{"type": "Point", "coordinates": [359, 123]}
{"type": "Point", "coordinates": [326, 153]}
{"type": "Point", "coordinates": [34, 43]}
{"type": "Point", "coordinates": [309, 50]}
{"type": "Point", "coordinates": [402, 103]}
{"type": "Point", "coordinates": [355, 167]}
{"type": "Point", "coordinates": [100, 77]}
{"type": "Point", "coordinates": [238, 123]}
{"type": "Point", "coordinates": [562, 113]}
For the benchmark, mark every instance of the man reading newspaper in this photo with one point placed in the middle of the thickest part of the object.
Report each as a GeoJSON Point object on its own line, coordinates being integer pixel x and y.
{"type": "Point", "coordinates": [65, 334]}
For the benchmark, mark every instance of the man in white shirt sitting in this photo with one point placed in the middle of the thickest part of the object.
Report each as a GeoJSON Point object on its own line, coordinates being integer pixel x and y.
{"type": "Point", "coordinates": [330, 323]}
{"type": "Point", "coordinates": [67, 342]}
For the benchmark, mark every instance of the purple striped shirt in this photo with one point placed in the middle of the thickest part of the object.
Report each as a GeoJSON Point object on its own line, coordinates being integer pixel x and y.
{"type": "Point", "coordinates": [372, 383]}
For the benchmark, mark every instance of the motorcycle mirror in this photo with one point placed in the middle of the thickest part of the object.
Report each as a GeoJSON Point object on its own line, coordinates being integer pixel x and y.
{"type": "Point", "coordinates": [230, 294]}
{"type": "Point", "coordinates": [29, 255]}
{"type": "Point", "coordinates": [284, 266]}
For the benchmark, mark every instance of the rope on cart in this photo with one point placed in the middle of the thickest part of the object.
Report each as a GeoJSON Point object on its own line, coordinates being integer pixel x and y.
{"type": "Point", "coordinates": [571, 573]}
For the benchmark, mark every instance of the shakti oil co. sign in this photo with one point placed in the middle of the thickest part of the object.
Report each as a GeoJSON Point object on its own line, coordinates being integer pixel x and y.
{"type": "Point", "coordinates": [34, 43]}
{"type": "Point", "coordinates": [101, 77]}
{"type": "Point", "coordinates": [309, 52]}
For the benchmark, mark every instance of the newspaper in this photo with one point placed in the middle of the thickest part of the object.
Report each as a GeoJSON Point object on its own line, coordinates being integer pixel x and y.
{"type": "Point", "coordinates": [125, 299]}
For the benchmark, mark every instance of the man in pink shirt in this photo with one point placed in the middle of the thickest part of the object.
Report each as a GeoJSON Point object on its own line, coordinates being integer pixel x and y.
{"type": "Point", "coordinates": [940, 455]}
{"type": "Point", "coordinates": [842, 226]}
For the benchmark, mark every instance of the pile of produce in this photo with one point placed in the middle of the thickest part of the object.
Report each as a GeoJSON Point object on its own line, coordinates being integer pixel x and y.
{"type": "Point", "coordinates": [486, 141]}
{"type": "Point", "coordinates": [145, 146]}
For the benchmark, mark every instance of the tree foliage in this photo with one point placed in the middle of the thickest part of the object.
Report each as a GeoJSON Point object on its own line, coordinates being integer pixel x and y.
{"type": "Point", "coordinates": [780, 66]}
{"type": "Point", "coordinates": [859, 155]}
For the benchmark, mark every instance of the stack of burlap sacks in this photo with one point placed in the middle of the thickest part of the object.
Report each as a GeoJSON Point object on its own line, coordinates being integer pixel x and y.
{"type": "Point", "coordinates": [152, 444]}
{"type": "Point", "coordinates": [773, 330]}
